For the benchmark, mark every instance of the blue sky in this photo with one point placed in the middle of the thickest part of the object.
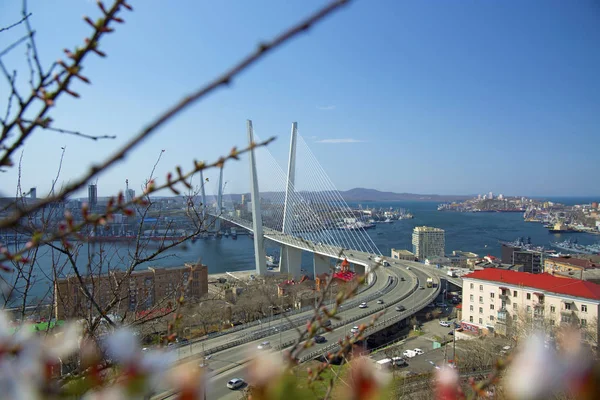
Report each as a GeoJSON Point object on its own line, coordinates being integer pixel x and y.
{"type": "Point", "coordinates": [449, 97]}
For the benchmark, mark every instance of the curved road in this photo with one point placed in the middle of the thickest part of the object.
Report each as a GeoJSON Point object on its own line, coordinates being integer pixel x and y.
{"type": "Point", "coordinates": [231, 361]}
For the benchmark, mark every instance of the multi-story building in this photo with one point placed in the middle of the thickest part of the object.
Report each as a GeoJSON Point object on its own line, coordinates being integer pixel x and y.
{"type": "Point", "coordinates": [497, 301]}
{"type": "Point", "coordinates": [528, 260]}
{"type": "Point", "coordinates": [399, 254]}
{"type": "Point", "coordinates": [141, 291]}
{"type": "Point", "coordinates": [428, 242]}
{"type": "Point", "coordinates": [568, 264]}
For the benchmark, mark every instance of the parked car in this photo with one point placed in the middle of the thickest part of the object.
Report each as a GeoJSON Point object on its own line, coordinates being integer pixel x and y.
{"type": "Point", "coordinates": [354, 329]}
{"type": "Point", "coordinates": [235, 383]}
{"type": "Point", "coordinates": [320, 339]}
{"type": "Point", "coordinates": [409, 353]}
{"type": "Point", "coordinates": [399, 362]}
{"type": "Point", "coordinates": [264, 346]}
{"type": "Point", "coordinates": [380, 301]}
{"type": "Point", "coordinates": [445, 324]}
{"type": "Point", "coordinates": [363, 305]}
{"type": "Point", "coordinates": [419, 351]}
{"type": "Point", "coordinates": [400, 308]}
{"type": "Point", "coordinates": [451, 333]}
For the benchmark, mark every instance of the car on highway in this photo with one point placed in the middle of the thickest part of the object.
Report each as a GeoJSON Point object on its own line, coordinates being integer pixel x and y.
{"type": "Point", "coordinates": [380, 301]}
{"type": "Point", "coordinates": [408, 268]}
{"type": "Point", "coordinates": [235, 383]}
{"type": "Point", "coordinates": [264, 346]}
{"type": "Point", "coordinates": [419, 351]}
{"type": "Point", "coordinates": [445, 324]}
{"type": "Point", "coordinates": [354, 329]}
{"type": "Point", "coordinates": [400, 308]}
{"type": "Point", "coordinates": [421, 287]}
{"type": "Point", "coordinates": [320, 339]}
{"type": "Point", "coordinates": [363, 305]}
{"type": "Point", "coordinates": [402, 279]}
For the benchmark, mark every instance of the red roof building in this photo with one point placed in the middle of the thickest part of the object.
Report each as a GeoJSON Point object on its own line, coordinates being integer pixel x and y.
{"type": "Point", "coordinates": [495, 299]}
{"type": "Point", "coordinates": [547, 282]}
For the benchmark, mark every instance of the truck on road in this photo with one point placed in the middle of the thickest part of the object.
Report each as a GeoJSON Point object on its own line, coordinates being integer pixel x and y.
{"type": "Point", "coordinates": [451, 273]}
{"type": "Point", "coordinates": [429, 282]}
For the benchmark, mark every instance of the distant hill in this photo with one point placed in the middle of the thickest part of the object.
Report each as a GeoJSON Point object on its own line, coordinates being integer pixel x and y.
{"type": "Point", "coordinates": [354, 195]}
{"type": "Point", "coordinates": [362, 194]}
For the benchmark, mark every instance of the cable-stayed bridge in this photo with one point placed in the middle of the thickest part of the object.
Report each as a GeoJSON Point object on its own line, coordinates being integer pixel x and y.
{"type": "Point", "coordinates": [314, 218]}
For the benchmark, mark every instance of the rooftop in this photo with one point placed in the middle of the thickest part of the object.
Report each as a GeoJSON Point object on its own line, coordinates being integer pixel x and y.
{"type": "Point", "coordinates": [578, 262]}
{"type": "Point", "coordinates": [420, 229]}
{"type": "Point", "coordinates": [547, 282]}
{"type": "Point", "coordinates": [405, 252]}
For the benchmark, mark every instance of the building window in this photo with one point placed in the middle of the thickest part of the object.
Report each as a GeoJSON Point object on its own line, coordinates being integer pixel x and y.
{"type": "Point", "coordinates": [471, 307]}
{"type": "Point", "coordinates": [528, 309]}
{"type": "Point", "coordinates": [551, 322]}
{"type": "Point", "coordinates": [471, 297]}
{"type": "Point", "coordinates": [491, 317]}
{"type": "Point", "coordinates": [583, 308]}
{"type": "Point", "coordinates": [528, 296]}
{"type": "Point", "coordinates": [471, 318]}
{"type": "Point", "coordinates": [492, 295]}
{"type": "Point", "coordinates": [514, 293]}
{"type": "Point", "coordinates": [565, 318]}
{"type": "Point", "coordinates": [480, 299]}
{"type": "Point", "coordinates": [472, 286]}
{"type": "Point", "coordinates": [491, 306]}
{"type": "Point", "coordinates": [567, 306]}
{"type": "Point", "coordinates": [514, 306]}
{"type": "Point", "coordinates": [480, 321]}
{"type": "Point", "coordinates": [481, 288]}
{"type": "Point", "coordinates": [480, 310]}
{"type": "Point", "coordinates": [583, 323]}
{"type": "Point", "coordinates": [514, 317]}
{"type": "Point", "coordinates": [552, 309]}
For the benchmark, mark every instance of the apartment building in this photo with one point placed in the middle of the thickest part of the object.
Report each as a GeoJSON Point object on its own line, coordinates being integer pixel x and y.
{"type": "Point", "coordinates": [495, 300]}
{"type": "Point", "coordinates": [428, 242]}
{"type": "Point", "coordinates": [143, 290]}
{"type": "Point", "coordinates": [399, 254]}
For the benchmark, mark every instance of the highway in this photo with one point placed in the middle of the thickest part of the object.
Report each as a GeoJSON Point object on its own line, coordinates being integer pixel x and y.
{"type": "Point", "coordinates": [234, 357]}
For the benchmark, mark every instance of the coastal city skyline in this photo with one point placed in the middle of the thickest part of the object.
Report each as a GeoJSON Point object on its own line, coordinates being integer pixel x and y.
{"type": "Point", "coordinates": [434, 105]}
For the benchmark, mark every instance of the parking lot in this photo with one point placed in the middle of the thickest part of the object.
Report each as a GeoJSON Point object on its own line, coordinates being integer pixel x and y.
{"type": "Point", "coordinates": [432, 332]}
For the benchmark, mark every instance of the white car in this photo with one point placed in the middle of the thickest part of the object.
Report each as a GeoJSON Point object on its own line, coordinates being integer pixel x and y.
{"type": "Point", "coordinates": [418, 351]}
{"type": "Point", "coordinates": [354, 329]}
{"type": "Point", "coordinates": [363, 305]}
{"type": "Point", "coordinates": [264, 346]}
{"type": "Point", "coordinates": [235, 383]}
{"type": "Point", "coordinates": [409, 353]}
{"type": "Point", "coordinates": [380, 301]}
{"type": "Point", "coordinates": [445, 324]}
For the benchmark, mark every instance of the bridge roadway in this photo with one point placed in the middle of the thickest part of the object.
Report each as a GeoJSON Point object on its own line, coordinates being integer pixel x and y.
{"type": "Point", "coordinates": [230, 362]}
{"type": "Point", "coordinates": [340, 253]}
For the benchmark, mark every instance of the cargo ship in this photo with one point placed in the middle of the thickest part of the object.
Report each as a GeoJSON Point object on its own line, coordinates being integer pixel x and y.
{"type": "Point", "coordinates": [559, 227]}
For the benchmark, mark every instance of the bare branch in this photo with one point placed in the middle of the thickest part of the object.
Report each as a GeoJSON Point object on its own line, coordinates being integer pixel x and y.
{"type": "Point", "coordinates": [16, 23]}
{"type": "Point", "coordinates": [47, 127]}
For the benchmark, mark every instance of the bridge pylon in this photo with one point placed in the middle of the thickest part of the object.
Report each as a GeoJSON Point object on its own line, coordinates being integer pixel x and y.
{"type": "Point", "coordinates": [260, 257]}
{"type": "Point", "coordinates": [290, 261]}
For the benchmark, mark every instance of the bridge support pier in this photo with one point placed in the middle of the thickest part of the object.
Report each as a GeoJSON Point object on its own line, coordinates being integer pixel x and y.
{"type": "Point", "coordinates": [260, 257]}
{"type": "Point", "coordinates": [321, 264]}
{"type": "Point", "coordinates": [291, 261]}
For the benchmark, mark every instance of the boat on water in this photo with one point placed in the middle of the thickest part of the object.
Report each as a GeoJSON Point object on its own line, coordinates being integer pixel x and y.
{"type": "Point", "coordinates": [559, 227]}
{"type": "Point", "coordinates": [574, 247]}
{"type": "Point", "coordinates": [387, 221]}
{"type": "Point", "coordinates": [271, 262]}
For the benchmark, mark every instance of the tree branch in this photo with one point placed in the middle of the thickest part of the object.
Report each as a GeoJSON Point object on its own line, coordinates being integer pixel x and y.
{"type": "Point", "coordinates": [16, 23]}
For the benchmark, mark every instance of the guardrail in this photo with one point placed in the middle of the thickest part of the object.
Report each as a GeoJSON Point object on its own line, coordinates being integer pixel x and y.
{"type": "Point", "coordinates": [269, 319]}
{"type": "Point", "coordinates": [299, 321]}
{"type": "Point", "coordinates": [383, 323]}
